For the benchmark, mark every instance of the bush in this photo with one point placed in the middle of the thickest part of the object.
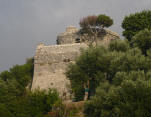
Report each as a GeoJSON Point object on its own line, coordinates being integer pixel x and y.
{"type": "Point", "coordinates": [17, 101]}
{"type": "Point", "coordinates": [36, 104]}
{"type": "Point", "coordinates": [87, 67]}
{"type": "Point", "coordinates": [131, 98]}
{"type": "Point", "coordinates": [4, 112]}
{"type": "Point", "coordinates": [93, 26]}
{"type": "Point", "coordinates": [142, 40]}
{"type": "Point", "coordinates": [105, 21]}
{"type": "Point", "coordinates": [119, 45]}
{"type": "Point", "coordinates": [134, 23]}
{"type": "Point", "coordinates": [98, 64]}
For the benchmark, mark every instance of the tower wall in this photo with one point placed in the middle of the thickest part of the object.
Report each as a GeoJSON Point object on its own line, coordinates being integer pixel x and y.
{"type": "Point", "coordinates": [50, 65]}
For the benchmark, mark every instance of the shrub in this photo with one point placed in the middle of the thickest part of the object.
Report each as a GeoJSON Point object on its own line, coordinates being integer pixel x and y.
{"type": "Point", "coordinates": [142, 40]}
{"type": "Point", "coordinates": [134, 23]}
{"type": "Point", "coordinates": [131, 98]}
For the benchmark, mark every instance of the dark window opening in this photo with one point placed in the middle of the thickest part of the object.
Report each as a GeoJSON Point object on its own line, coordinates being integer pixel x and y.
{"type": "Point", "coordinates": [66, 60]}
{"type": "Point", "coordinates": [77, 40]}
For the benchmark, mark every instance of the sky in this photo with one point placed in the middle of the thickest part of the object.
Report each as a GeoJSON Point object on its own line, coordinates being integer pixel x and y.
{"type": "Point", "coordinates": [26, 23]}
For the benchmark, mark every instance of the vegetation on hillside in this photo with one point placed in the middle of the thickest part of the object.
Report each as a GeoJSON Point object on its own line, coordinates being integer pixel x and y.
{"type": "Point", "coordinates": [98, 64]}
{"type": "Point", "coordinates": [120, 75]}
{"type": "Point", "coordinates": [16, 99]}
{"type": "Point", "coordinates": [125, 85]}
{"type": "Point", "coordinates": [142, 40]}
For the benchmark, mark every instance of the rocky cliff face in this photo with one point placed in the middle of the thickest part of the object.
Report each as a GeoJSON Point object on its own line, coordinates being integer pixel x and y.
{"type": "Point", "coordinates": [50, 62]}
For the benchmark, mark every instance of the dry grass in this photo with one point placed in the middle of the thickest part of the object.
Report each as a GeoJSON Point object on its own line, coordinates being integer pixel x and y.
{"type": "Point", "coordinates": [74, 109]}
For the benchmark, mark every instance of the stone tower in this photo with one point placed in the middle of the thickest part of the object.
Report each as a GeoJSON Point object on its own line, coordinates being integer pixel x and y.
{"type": "Point", "coordinates": [68, 37]}
{"type": "Point", "coordinates": [50, 62]}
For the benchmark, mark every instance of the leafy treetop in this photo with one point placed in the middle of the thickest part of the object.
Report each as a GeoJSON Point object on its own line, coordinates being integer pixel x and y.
{"type": "Point", "coordinates": [133, 23]}
{"type": "Point", "coordinates": [94, 25]}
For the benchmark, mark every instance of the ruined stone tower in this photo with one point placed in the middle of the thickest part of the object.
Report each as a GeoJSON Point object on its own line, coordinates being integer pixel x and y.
{"type": "Point", "coordinates": [68, 37]}
{"type": "Point", "coordinates": [50, 62]}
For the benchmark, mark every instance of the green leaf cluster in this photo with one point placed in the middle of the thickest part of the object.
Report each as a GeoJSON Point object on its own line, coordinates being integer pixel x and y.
{"type": "Point", "coordinates": [142, 40]}
{"type": "Point", "coordinates": [15, 98]}
{"type": "Point", "coordinates": [92, 25]}
{"type": "Point", "coordinates": [136, 22]}
{"type": "Point", "coordinates": [128, 96]}
{"type": "Point", "coordinates": [120, 80]}
{"type": "Point", "coordinates": [104, 21]}
{"type": "Point", "coordinates": [36, 104]}
{"type": "Point", "coordinates": [98, 64]}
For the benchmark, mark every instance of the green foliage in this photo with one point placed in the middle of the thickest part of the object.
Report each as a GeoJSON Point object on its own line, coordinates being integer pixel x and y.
{"type": "Point", "coordinates": [6, 75]}
{"type": "Point", "coordinates": [93, 26]}
{"type": "Point", "coordinates": [8, 91]}
{"type": "Point", "coordinates": [88, 21]}
{"type": "Point", "coordinates": [119, 45]}
{"type": "Point", "coordinates": [21, 75]}
{"type": "Point", "coordinates": [98, 64]}
{"type": "Point", "coordinates": [130, 98]}
{"type": "Point", "coordinates": [96, 21]}
{"type": "Point", "coordinates": [142, 40]}
{"type": "Point", "coordinates": [4, 112]}
{"type": "Point", "coordinates": [86, 68]}
{"type": "Point", "coordinates": [36, 104]}
{"type": "Point", "coordinates": [149, 53]}
{"type": "Point", "coordinates": [17, 101]}
{"type": "Point", "coordinates": [134, 23]}
{"type": "Point", "coordinates": [13, 83]}
{"type": "Point", "coordinates": [120, 78]}
{"type": "Point", "coordinates": [104, 21]}
{"type": "Point", "coordinates": [132, 75]}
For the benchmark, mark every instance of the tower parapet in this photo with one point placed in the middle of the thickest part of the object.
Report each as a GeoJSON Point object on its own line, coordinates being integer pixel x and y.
{"type": "Point", "coordinates": [71, 29]}
{"type": "Point", "coordinates": [68, 37]}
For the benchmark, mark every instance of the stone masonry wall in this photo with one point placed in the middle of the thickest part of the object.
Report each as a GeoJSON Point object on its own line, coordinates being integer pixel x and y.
{"type": "Point", "coordinates": [68, 37]}
{"type": "Point", "coordinates": [50, 65]}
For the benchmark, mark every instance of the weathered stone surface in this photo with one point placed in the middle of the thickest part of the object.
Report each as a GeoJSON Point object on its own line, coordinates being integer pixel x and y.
{"type": "Point", "coordinates": [50, 62]}
{"type": "Point", "coordinates": [50, 65]}
{"type": "Point", "coordinates": [71, 35]}
{"type": "Point", "coordinates": [108, 37]}
{"type": "Point", "coordinates": [68, 37]}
